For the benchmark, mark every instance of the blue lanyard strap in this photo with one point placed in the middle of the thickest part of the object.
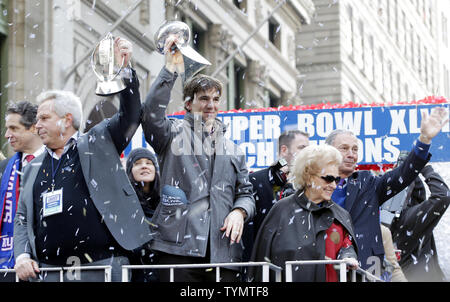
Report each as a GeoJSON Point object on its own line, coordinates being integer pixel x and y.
{"type": "Point", "coordinates": [54, 171]}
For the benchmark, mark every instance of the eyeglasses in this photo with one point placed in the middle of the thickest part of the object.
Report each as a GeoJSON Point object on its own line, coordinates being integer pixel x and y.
{"type": "Point", "coordinates": [330, 178]}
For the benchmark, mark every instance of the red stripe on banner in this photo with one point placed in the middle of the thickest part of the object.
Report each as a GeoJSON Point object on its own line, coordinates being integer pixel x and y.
{"type": "Point", "coordinates": [427, 100]}
{"type": "Point", "coordinates": [378, 168]}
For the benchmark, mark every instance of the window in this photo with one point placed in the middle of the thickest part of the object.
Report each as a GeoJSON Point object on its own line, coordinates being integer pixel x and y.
{"type": "Point", "coordinates": [416, 55]}
{"type": "Point", "coordinates": [408, 41]}
{"type": "Point", "coordinates": [198, 39]}
{"type": "Point", "coordinates": [430, 74]}
{"type": "Point", "coordinates": [236, 80]}
{"type": "Point", "coordinates": [422, 63]}
{"type": "Point", "coordinates": [379, 71]}
{"type": "Point", "coordinates": [348, 31]}
{"type": "Point", "coordinates": [352, 96]}
{"type": "Point", "coordinates": [275, 33]}
{"type": "Point", "coordinates": [420, 7]}
{"type": "Point", "coordinates": [382, 11]}
{"type": "Point", "coordinates": [241, 4]}
{"type": "Point", "coordinates": [396, 87]}
{"type": "Point", "coordinates": [368, 58]}
{"type": "Point", "coordinates": [404, 33]}
{"type": "Point", "coordinates": [444, 30]}
{"type": "Point", "coordinates": [405, 96]}
{"type": "Point", "coordinates": [388, 81]}
{"type": "Point", "coordinates": [428, 16]}
{"type": "Point", "coordinates": [446, 83]}
{"type": "Point", "coordinates": [359, 47]}
{"type": "Point", "coordinates": [102, 110]}
{"type": "Point", "coordinates": [273, 100]}
{"type": "Point", "coordinates": [401, 32]}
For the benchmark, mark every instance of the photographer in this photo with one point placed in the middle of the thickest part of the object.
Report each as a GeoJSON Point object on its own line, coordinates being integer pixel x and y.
{"type": "Point", "coordinates": [272, 184]}
{"type": "Point", "coordinates": [412, 231]}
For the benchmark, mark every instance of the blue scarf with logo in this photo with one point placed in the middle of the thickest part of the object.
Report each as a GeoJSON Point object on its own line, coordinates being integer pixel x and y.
{"type": "Point", "coordinates": [8, 207]}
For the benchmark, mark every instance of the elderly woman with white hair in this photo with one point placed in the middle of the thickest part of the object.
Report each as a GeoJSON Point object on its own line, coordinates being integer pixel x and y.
{"type": "Point", "coordinates": [308, 225]}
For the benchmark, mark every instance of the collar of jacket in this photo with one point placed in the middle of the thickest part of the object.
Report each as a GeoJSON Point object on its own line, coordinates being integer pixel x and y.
{"type": "Point", "coordinates": [190, 118]}
{"type": "Point", "coordinates": [308, 205]}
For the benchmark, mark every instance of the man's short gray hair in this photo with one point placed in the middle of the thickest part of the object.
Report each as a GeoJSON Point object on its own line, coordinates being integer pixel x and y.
{"type": "Point", "coordinates": [332, 136]}
{"type": "Point", "coordinates": [64, 102]}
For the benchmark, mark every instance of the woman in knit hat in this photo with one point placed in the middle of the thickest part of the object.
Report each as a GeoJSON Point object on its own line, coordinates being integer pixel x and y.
{"type": "Point", "coordinates": [143, 171]}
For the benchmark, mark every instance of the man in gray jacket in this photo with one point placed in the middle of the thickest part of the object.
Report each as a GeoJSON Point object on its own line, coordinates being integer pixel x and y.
{"type": "Point", "coordinates": [205, 191]}
{"type": "Point", "coordinates": [77, 206]}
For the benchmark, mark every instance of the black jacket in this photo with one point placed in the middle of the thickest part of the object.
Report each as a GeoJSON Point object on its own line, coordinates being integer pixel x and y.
{"type": "Point", "coordinates": [266, 194]}
{"type": "Point", "coordinates": [295, 229]}
{"type": "Point", "coordinates": [413, 230]}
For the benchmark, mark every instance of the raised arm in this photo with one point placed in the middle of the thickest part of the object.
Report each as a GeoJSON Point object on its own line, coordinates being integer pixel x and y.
{"type": "Point", "coordinates": [123, 125]}
{"type": "Point", "coordinates": [155, 124]}
{"type": "Point", "coordinates": [396, 180]}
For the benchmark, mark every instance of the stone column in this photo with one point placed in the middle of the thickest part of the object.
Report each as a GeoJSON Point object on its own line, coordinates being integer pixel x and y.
{"type": "Point", "coordinates": [221, 45]}
{"type": "Point", "coordinates": [16, 40]}
{"type": "Point", "coordinates": [255, 83]}
{"type": "Point", "coordinates": [144, 12]}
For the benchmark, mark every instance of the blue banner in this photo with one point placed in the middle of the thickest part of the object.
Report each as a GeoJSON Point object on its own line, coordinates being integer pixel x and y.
{"type": "Point", "coordinates": [382, 131]}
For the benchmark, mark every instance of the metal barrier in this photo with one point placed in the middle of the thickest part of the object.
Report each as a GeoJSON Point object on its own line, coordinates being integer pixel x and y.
{"type": "Point", "coordinates": [342, 265]}
{"type": "Point", "coordinates": [7, 271]}
{"type": "Point", "coordinates": [106, 268]}
{"type": "Point", "coordinates": [365, 274]}
{"type": "Point", "coordinates": [266, 267]}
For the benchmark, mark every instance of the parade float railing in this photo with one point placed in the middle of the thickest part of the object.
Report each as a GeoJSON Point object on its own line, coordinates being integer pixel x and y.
{"type": "Point", "coordinates": [74, 269]}
{"type": "Point", "coordinates": [341, 265]}
{"type": "Point", "coordinates": [266, 268]}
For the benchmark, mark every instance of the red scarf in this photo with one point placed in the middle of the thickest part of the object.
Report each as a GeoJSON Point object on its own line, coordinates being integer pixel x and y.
{"type": "Point", "coordinates": [337, 238]}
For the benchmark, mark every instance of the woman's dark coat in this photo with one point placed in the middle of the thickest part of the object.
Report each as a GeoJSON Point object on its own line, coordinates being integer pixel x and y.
{"type": "Point", "coordinates": [295, 229]}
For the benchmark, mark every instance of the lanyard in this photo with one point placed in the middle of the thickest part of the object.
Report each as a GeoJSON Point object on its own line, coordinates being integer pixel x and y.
{"type": "Point", "coordinates": [54, 171]}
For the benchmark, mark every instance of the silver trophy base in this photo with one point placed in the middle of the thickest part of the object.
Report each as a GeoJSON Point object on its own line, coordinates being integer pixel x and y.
{"type": "Point", "coordinates": [110, 88]}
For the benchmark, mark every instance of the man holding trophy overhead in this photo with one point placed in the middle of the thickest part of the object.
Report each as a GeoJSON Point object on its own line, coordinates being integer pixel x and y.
{"type": "Point", "coordinates": [205, 192]}
{"type": "Point", "coordinates": [78, 206]}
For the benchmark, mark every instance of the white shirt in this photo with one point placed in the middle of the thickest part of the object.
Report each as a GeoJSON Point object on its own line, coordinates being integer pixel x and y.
{"type": "Point", "coordinates": [72, 140]}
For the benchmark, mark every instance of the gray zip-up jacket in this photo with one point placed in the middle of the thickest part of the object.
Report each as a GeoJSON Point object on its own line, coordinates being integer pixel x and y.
{"type": "Point", "coordinates": [199, 187]}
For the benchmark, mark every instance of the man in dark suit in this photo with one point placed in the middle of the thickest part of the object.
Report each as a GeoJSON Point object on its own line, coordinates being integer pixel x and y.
{"type": "Point", "coordinates": [78, 206]}
{"type": "Point", "coordinates": [271, 184]}
{"type": "Point", "coordinates": [362, 193]}
{"type": "Point", "coordinates": [23, 139]}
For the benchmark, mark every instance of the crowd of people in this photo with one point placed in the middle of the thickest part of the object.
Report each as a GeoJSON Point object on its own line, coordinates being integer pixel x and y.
{"type": "Point", "coordinates": [67, 198]}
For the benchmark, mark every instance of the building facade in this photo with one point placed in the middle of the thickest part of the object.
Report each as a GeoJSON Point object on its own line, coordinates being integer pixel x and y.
{"type": "Point", "coordinates": [368, 51]}
{"type": "Point", "coordinates": [47, 45]}
{"type": "Point", "coordinates": [299, 52]}
{"type": "Point", "coordinates": [261, 34]}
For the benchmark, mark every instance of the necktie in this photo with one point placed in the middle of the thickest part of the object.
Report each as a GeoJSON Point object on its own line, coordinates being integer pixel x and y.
{"type": "Point", "coordinates": [29, 157]}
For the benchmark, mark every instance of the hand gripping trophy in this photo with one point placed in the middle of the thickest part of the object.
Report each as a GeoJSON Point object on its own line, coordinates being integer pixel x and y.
{"type": "Point", "coordinates": [193, 61]}
{"type": "Point", "coordinates": [107, 64]}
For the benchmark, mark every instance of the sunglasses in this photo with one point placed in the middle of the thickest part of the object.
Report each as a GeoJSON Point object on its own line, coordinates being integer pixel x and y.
{"type": "Point", "coordinates": [330, 178]}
